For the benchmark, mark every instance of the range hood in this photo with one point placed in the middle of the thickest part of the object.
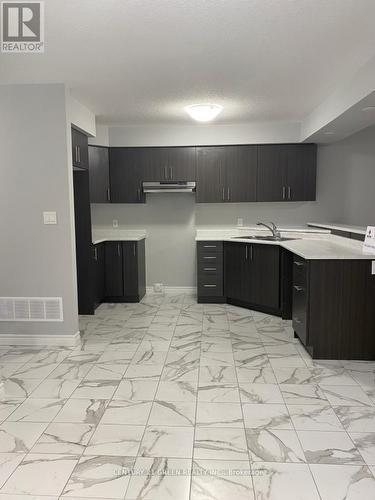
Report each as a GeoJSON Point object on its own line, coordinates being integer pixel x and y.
{"type": "Point", "coordinates": [169, 187]}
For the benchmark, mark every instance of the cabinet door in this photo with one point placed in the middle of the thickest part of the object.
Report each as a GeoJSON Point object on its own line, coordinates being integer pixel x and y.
{"type": "Point", "coordinates": [265, 276]}
{"type": "Point", "coordinates": [113, 269]}
{"type": "Point", "coordinates": [272, 172]}
{"type": "Point", "coordinates": [79, 149]}
{"type": "Point", "coordinates": [241, 173]}
{"type": "Point", "coordinates": [156, 164]}
{"type": "Point", "coordinates": [130, 267]}
{"type": "Point", "coordinates": [99, 174]}
{"type": "Point", "coordinates": [99, 261]}
{"type": "Point", "coordinates": [235, 270]}
{"type": "Point", "coordinates": [126, 168]}
{"type": "Point", "coordinates": [182, 164]}
{"type": "Point", "coordinates": [210, 175]}
{"type": "Point", "coordinates": [301, 172]}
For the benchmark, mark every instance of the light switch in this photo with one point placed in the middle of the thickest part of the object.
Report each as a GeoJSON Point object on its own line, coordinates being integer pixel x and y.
{"type": "Point", "coordinates": [49, 218]}
{"type": "Point", "coordinates": [115, 223]}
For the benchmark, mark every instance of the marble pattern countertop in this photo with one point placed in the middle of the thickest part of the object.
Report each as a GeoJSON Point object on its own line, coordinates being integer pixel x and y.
{"type": "Point", "coordinates": [339, 227]}
{"type": "Point", "coordinates": [308, 244]}
{"type": "Point", "coordinates": [102, 235]}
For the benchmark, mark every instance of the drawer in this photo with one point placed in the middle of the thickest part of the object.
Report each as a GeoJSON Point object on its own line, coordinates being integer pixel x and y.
{"type": "Point", "coordinates": [300, 313]}
{"type": "Point", "coordinates": [210, 247]}
{"type": "Point", "coordinates": [210, 267]}
{"type": "Point", "coordinates": [210, 285]}
{"type": "Point", "coordinates": [300, 272]}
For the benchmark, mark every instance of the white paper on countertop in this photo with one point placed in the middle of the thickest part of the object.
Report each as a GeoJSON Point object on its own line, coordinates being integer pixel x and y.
{"type": "Point", "coordinates": [369, 243]}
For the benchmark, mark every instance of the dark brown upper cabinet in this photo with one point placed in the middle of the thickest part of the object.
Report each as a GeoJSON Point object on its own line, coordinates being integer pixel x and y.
{"type": "Point", "coordinates": [170, 164]}
{"type": "Point", "coordinates": [80, 149]}
{"type": "Point", "coordinates": [127, 167]}
{"type": "Point", "coordinates": [226, 174]}
{"type": "Point", "coordinates": [99, 174]}
{"type": "Point", "coordinates": [286, 172]}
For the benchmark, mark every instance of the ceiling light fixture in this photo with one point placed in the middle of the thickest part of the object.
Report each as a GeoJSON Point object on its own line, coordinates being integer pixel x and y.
{"type": "Point", "coordinates": [203, 112]}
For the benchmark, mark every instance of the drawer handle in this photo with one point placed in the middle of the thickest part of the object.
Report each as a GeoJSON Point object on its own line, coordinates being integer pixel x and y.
{"type": "Point", "coordinates": [209, 246]}
{"type": "Point", "coordinates": [299, 264]}
{"type": "Point", "coordinates": [298, 321]}
{"type": "Point", "coordinates": [209, 286]}
{"type": "Point", "coordinates": [209, 269]}
{"type": "Point", "coordinates": [298, 288]}
{"type": "Point", "coordinates": [209, 257]}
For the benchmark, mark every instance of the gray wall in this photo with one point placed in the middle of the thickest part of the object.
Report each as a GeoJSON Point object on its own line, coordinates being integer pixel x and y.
{"type": "Point", "coordinates": [36, 171]}
{"type": "Point", "coordinates": [352, 161]}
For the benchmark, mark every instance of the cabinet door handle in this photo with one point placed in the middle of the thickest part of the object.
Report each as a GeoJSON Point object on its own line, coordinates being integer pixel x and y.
{"type": "Point", "coordinates": [298, 264]}
{"type": "Point", "coordinates": [209, 269]}
{"type": "Point", "coordinates": [223, 194]}
{"type": "Point", "coordinates": [209, 286]}
{"type": "Point", "coordinates": [284, 192]}
{"type": "Point", "coordinates": [118, 250]}
{"type": "Point", "coordinates": [171, 173]}
{"type": "Point", "coordinates": [297, 320]}
{"type": "Point", "coordinates": [228, 194]}
{"type": "Point", "coordinates": [298, 288]}
{"type": "Point", "coordinates": [246, 253]}
{"type": "Point", "coordinates": [209, 246]}
{"type": "Point", "coordinates": [139, 194]}
{"type": "Point", "coordinates": [95, 253]}
{"type": "Point", "coordinates": [134, 249]}
{"type": "Point", "coordinates": [251, 252]}
{"type": "Point", "coordinates": [289, 193]}
{"type": "Point", "coordinates": [79, 154]}
{"type": "Point", "coordinates": [165, 173]}
{"type": "Point", "coordinates": [209, 257]}
{"type": "Point", "coordinates": [108, 194]}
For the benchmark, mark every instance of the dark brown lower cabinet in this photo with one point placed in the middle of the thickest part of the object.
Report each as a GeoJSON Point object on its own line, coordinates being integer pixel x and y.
{"type": "Point", "coordinates": [125, 271]}
{"type": "Point", "coordinates": [333, 308]}
{"type": "Point", "coordinates": [99, 272]}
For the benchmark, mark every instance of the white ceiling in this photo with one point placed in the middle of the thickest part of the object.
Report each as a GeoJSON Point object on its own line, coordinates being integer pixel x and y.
{"type": "Point", "coordinates": [138, 62]}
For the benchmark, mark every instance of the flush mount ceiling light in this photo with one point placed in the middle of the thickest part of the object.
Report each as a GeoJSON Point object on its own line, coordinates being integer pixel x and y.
{"type": "Point", "coordinates": [203, 112]}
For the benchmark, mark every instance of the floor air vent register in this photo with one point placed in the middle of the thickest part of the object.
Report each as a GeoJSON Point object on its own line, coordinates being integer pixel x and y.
{"type": "Point", "coordinates": [31, 309]}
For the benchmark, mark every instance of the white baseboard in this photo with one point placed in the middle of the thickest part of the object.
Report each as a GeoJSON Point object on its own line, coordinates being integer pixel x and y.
{"type": "Point", "coordinates": [41, 340]}
{"type": "Point", "coordinates": [190, 290]}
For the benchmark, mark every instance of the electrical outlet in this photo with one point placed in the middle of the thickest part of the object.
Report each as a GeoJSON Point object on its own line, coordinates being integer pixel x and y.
{"type": "Point", "coordinates": [115, 223]}
{"type": "Point", "coordinates": [49, 218]}
{"type": "Point", "coordinates": [239, 222]}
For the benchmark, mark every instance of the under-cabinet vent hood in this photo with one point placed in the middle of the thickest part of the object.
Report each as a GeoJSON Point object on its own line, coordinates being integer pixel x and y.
{"type": "Point", "coordinates": [169, 187]}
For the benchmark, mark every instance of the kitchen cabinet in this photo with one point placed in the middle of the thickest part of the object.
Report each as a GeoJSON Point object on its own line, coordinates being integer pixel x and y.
{"type": "Point", "coordinates": [170, 164]}
{"type": "Point", "coordinates": [79, 149]}
{"type": "Point", "coordinates": [210, 282]}
{"type": "Point", "coordinates": [333, 308]}
{"type": "Point", "coordinates": [99, 174]}
{"type": "Point", "coordinates": [99, 272]}
{"type": "Point", "coordinates": [286, 172]}
{"type": "Point", "coordinates": [125, 271]}
{"type": "Point", "coordinates": [83, 240]}
{"type": "Point", "coordinates": [226, 174]}
{"type": "Point", "coordinates": [252, 275]}
{"type": "Point", "coordinates": [127, 167]}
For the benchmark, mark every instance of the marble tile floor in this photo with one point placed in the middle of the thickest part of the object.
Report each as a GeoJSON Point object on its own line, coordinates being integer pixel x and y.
{"type": "Point", "coordinates": [170, 399]}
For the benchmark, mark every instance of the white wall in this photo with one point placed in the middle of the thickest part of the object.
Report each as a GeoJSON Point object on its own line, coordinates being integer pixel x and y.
{"type": "Point", "coordinates": [102, 136]}
{"type": "Point", "coordinates": [36, 175]}
{"type": "Point", "coordinates": [80, 116]}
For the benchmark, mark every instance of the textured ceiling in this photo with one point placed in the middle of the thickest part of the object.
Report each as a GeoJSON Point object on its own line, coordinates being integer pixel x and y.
{"type": "Point", "coordinates": [142, 61]}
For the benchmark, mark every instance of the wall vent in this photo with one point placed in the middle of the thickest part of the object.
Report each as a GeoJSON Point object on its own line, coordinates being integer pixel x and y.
{"type": "Point", "coordinates": [31, 309]}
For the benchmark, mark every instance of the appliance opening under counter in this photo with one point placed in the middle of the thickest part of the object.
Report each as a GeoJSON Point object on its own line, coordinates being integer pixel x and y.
{"type": "Point", "coordinates": [169, 187]}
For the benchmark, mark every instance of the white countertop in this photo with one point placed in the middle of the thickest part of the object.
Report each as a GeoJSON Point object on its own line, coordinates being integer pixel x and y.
{"type": "Point", "coordinates": [340, 227]}
{"type": "Point", "coordinates": [102, 235]}
{"type": "Point", "coordinates": [309, 245]}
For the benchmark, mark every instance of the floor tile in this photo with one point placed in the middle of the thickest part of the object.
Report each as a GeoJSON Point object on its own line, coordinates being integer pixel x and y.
{"type": "Point", "coordinates": [55, 388]}
{"type": "Point", "coordinates": [96, 389]}
{"type": "Point", "coordinates": [218, 393]}
{"type": "Point", "coordinates": [346, 396]}
{"type": "Point", "coordinates": [136, 390]}
{"type": "Point", "coordinates": [219, 415]}
{"type": "Point", "coordinates": [172, 413]}
{"type": "Point", "coordinates": [266, 416]}
{"type": "Point", "coordinates": [8, 463]}
{"type": "Point", "coordinates": [157, 483]}
{"type": "Point", "coordinates": [104, 371]}
{"type": "Point", "coordinates": [113, 440]}
{"type": "Point", "coordinates": [7, 407]}
{"type": "Point", "coordinates": [20, 387]}
{"type": "Point", "coordinates": [356, 418]}
{"type": "Point", "coordinates": [302, 394]}
{"type": "Point", "coordinates": [149, 357]}
{"type": "Point", "coordinates": [326, 376]}
{"type": "Point", "coordinates": [274, 445]}
{"type": "Point", "coordinates": [162, 441]}
{"type": "Point", "coordinates": [260, 393]}
{"type": "Point", "coordinates": [217, 374]}
{"type": "Point", "coordinates": [337, 482]}
{"type": "Point", "coordinates": [220, 443]}
{"type": "Point", "coordinates": [177, 391]}
{"type": "Point", "coordinates": [278, 481]}
{"type": "Point", "coordinates": [144, 371]}
{"type": "Point", "coordinates": [71, 371]}
{"type": "Point", "coordinates": [127, 412]}
{"type": "Point", "coordinates": [221, 480]}
{"type": "Point", "coordinates": [64, 439]}
{"type": "Point", "coordinates": [100, 477]}
{"type": "Point", "coordinates": [82, 411]}
{"type": "Point", "coordinates": [329, 448]}
{"type": "Point", "coordinates": [317, 417]}
{"type": "Point", "coordinates": [365, 443]}
{"type": "Point", "coordinates": [19, 437]}
{"type": "Point", "coordinates": [54, 469]}
{"type": "Point", "coordinates": [248, 375]}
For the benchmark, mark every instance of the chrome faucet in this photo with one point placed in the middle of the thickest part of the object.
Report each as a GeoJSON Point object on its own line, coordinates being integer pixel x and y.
{"type": "Point", "coordinates": [272, 227]}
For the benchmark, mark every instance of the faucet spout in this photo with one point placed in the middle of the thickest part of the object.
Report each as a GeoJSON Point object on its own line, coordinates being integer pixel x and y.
{"type": "Point", "coordinates": [272, 227]}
